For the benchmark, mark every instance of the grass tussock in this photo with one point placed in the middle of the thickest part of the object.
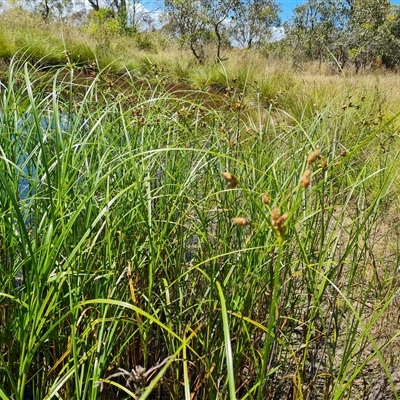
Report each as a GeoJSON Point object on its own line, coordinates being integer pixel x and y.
{"type": "Point", "coordinates": [218, 236]}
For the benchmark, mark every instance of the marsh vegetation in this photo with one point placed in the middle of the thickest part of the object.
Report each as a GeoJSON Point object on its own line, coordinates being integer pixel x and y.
{"type": "Point", "coordinates": [172, 230]}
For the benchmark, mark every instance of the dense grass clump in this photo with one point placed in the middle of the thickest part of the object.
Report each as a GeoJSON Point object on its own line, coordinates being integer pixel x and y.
{"type": "Point", "coordinates": [160, 241]}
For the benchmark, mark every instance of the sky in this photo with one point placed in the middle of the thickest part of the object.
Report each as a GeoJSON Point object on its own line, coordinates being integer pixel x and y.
{"type": "Point", "coordinates": [288, 5]}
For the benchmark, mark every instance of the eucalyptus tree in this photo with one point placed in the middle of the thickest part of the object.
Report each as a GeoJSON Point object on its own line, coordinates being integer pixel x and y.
{"type": "Point", "coordinates": [53, 8]}
{"type": "Point", "coordinates": [373, 39]}
{"type": "Point", "coordinates": [117, 6]}
{"type": "Point", "coordinates": [252, 21]}
{"type": "Point", "coordinates": [319, 30]}
{"type": "Point", "coordinates": [363, 32]}
{"type": "Point", "coordinates": [216, 16]}
{"type": "Point", "coordinates": [187, 20]}
{"type": "Point", "coordinates": [95, 4]}
{"type": "Point", "coordinates": [200, 22]}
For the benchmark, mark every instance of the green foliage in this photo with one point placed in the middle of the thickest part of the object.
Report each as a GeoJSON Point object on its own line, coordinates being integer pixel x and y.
{"type": "Point", "coordinates": [252, 22]}
{"type": "Point", "coordinates": [319, 30]}
{"type": "Point", "coordinates": [373, 25]}
{"type": "Point", "coordinates": [188, 20]}
{"type": "Point", "coordinates": [7, 50]}
{"type": "Point", "coordinates": [340, 31]}
{"type": "Point", "coordinates": [80, 52]}
{"type": "Point", "coordinates": [104, 26]}
{"type": "Point", "coordinates": [145, 42]}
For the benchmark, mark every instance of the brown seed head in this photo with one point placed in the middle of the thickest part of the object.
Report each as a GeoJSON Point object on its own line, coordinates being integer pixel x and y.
{"type": "Point", "coordinates": [305, 180]}
{"type": "Point", "coordinates": [265, 199]}
{"type": "Point", "coordinates": [313, 156]}
{"type": "Point", "coordinates": [278, 220]}
{"type": "Point", "coordinates": [323, 164]}
{"type": "Point", "coordinates": [228, 176]}
{"type": "Point", "coordinates": [231, 179]}
{"type": "Point", "coordinates": [240, 221]}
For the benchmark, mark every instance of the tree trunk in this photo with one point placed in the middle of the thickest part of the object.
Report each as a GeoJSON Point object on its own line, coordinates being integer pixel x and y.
{"type": "Point", "coordinates": [94, 4]}
{"type": "Point", "coordinates": [123, 14]}
{"type": "Point", "coordinates": [219, 43]}
{"type": "Point", "coordinates": [46, 10]}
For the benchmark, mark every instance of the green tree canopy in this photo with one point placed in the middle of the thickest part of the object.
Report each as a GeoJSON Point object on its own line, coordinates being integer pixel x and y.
{"type": "Point", "coordinates": [363, 32]}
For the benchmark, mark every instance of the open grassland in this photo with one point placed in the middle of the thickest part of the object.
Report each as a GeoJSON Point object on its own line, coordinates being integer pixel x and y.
{"type": "Point", "coordinates": [176, 231]}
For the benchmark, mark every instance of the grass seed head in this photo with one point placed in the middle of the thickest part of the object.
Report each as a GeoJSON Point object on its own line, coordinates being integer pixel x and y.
{"type": "Point", "coordinates": [240, 221]}
{"type": "Point", "coordinates": [305, 179]}
{"type": "Point", "coordinates": [278, 221]}
{"type": "Point", "coordinates": [265, 199]}
{"type": "Point", "coordinates": [313, 156]}
{"type": "Point", "coordinates": [231, 179]}
{"type": "Point", "coordinates": [323, 164]}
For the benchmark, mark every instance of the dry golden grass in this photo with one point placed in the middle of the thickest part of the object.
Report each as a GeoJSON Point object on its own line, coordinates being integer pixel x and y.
{"type": "Point", "coordinates": [383, 82]}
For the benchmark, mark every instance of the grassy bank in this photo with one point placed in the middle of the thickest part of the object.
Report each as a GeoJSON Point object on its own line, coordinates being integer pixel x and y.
{"type": "Point", "coordinates": [180, 231]}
